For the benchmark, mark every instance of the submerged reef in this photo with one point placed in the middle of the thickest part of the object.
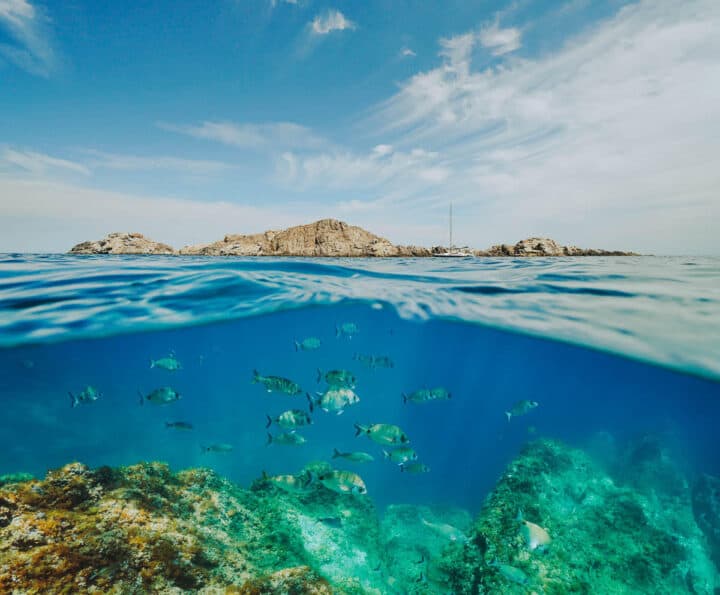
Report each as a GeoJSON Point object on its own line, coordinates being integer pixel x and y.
{"type": "Point", "coordinates": [555, 523]}
{"type": "Point", "coordinates": [606, 536]}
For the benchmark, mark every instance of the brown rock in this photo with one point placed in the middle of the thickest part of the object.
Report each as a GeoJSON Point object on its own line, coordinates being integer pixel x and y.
{"type": "Point", "coordinates": [123, 243]}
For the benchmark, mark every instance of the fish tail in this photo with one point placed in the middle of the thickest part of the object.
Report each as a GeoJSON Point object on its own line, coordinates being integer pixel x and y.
{"type": "Point", "coordinates": [152, 364]}
{"type": "Point", "coordinates": [319, 375]}
{"type": "Point", "coordinates": [509, 415]}
{"type": "Point", "coordinates": [337, 331]}
{"type": "Point", "coordinates": [386, 453]}
{"type": "Point", "coordinates": [310, 402]}
{"type": "Point", "coordinates": [297, 346]}
{"type": "Point", "coordinates": [256, 377]}
{"type": "Point", "coordinates": [402, 467]}
{"type": "Point", "coordinates": [359, 430]}
{"type": "Point", "coordinates": [269, 422]}
{"type": "Point", "coordinates": [404, 396]}
{"type": "Point", "coordinates": [142, 399]}
{"type": "Point", "coordinates": [336, 453]}
{"type": "Point", "coordinates": [269, 439]}
{"type": "Point", "coordinates": [73, 400]}
{"type": "Point", "coordinates": [168, 424]}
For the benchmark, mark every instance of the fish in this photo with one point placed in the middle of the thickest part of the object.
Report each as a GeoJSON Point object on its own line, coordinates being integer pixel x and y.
{"type": "Point", "coordinates": [449, 531]}
{"type": "Point", "coordinates": [401, 454]}
{"type": "Point", "coordinates": [427, 394]}
{"type": "Point", "coordinates": [308, 344]}
{"type": "Point", "coordinates": [291, 419]}
{"type": "Point", "coordinates": [334, 399]}
{"type": "Point", "coordinates": [414, 468]}
{"type": "Point", "coordinates": [178, 425]}
{"type": "Point", "coordinates": [374, 361]}
{"type": "Point", "coordinates": [536, 538]}
{"type": "Point", "coordinates": [331, 521]}
{"type": "Point", "coordinates": [510, 572]}
{"type": "Point", "coordinates": [338, 378]}
{"type": "Point", "coordinates": [168, 363]}
{"type": "Point", "coordinates": [160, 396]}
{"type": "Point", "coordinates": [288, 483]}
{"type": "Point", "coordinates": [343, 482]}
{"type": "Point", "coordinates": [287, 438]}
{"type": "Point", "coordinates": [382, 433]}
{"type": "Point", "coordinates": [277, 384]}
{"type": "Point", "coordinates": [521, 408]}
{"type": "Point", "coordinates": [347, 329]}
{"type": "Point", "coordinates": [220, 447]}
{"type": "Point", "coordinates": [355, 457]}
{"type": "Point", "coordinates": [87, 395]}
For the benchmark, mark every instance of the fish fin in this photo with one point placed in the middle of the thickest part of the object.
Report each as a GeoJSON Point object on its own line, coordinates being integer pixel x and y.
{"type": "Point", "coordinates": [404, 396]}
{"type": "Point", "coordinates": [73, 400]}
{"type": "Point", "coordinates": [421, 560]}
{"type": "Point", "coordinates": [142, 399]}
{"type": "Point", "coordinates": [337, 331]}
{"type": "Point", "coordinates": [340, 412]}
{"type": "Point", "coordinates": [310, 401]}
{"type": "Point", "coordinates": [269, 422]}
{"type": "Point", "coordinates": [256, 377]}
{"type": "Point", "coordinates": [297, 345]}
{"type": "Point", "coordinates": [152, 364]}
{"type": "Point", "coordinates": [269, 439]}
{"type": "Point", "coordinates": [402, 467]}
{"type": "Point", "coordinates": [319, 374]}
{"type": "Point", "coordinates": [168, 424]}
{"type": "Point", "coordinates": [509, 415]}
{"type": "Point", "coordinates": [359, 430]}
{"type": "Point", "coordinates": [336, 453]}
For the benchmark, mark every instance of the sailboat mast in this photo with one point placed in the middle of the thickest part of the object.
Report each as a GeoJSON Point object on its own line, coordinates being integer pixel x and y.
{"type": "Point", "coordinates": [451, 238]}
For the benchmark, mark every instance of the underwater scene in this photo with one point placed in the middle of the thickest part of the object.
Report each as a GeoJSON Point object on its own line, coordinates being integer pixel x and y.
{"type": "Point", "coordinates": [207, 425]}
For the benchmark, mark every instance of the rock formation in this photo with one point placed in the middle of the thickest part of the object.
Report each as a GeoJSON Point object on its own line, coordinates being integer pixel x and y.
{"type": "Point", "coordinates": [123, 243]}
{"type": "Point", "coordinates": [327, 237]}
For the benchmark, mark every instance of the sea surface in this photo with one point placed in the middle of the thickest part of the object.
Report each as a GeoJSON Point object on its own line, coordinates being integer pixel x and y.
{"type": "Point", "coordinates": [608, 347]}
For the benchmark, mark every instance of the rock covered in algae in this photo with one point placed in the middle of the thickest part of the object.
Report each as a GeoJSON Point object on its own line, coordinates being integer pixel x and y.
{"type": "Point", "coordinates": [706, 506]}
{"type": "Point", "coordinates": [606, 537]}
{"type": "Point", "coordinates": [142, 529]}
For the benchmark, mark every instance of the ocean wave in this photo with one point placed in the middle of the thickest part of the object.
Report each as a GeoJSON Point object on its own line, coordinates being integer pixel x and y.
{"type": "Point", "coordinates": [662, 310]}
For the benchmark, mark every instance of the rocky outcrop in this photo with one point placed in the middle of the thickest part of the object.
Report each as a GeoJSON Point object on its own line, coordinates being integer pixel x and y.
{"type": "Point", "coordinates": [123, 243]}
{"type": "Point", "coordinates": [706, 506]}
{"type": "Point", "coordinates": [545, 247]}
{"type": "Point", "coordinates": [327, 237]}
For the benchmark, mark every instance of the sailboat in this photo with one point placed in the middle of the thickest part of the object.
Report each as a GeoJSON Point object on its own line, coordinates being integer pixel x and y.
{"type": "Point", "coordinates": [454, 252]}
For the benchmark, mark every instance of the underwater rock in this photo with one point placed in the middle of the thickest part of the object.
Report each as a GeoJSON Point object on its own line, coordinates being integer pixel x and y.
{"type": "Point", "coordinates": [706, 506]}
{"type": "Point", "coordinates": [122, 243]}
{"type": "Point", "coordinates": [606, 538]}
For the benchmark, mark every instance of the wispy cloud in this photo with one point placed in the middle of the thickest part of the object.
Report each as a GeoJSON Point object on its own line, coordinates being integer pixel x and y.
{"type": "Point", "coordinates": [102, 160]}
{"type": "Point", "coordinates": [38, 163]}
{"type": "Point", "coordinates": [332, 20]}
{"type": "Point", "coordinates": [500, 41]}
{"type": "Point", "coordinates": [269, 136]}
{"type": "Point", "coordinates": [406, 52]}
{"type": "Point", "coordinates": [27, 26]}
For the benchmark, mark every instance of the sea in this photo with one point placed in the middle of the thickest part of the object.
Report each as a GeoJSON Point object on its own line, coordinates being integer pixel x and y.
{"type": "Point", "coordinates": [609, 349]}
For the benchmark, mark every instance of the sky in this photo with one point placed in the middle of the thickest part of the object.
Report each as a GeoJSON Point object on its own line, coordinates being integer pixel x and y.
{"type": "Point", "coordinates": [594, 122]}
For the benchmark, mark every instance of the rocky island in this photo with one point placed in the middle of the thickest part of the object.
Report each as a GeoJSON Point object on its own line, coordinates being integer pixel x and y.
{"type": "Point", "coordinates": [327, 237]}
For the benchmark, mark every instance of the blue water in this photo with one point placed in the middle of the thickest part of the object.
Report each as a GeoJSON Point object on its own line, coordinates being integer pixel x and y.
{"type": "Point", "coordinates": [608, 347]}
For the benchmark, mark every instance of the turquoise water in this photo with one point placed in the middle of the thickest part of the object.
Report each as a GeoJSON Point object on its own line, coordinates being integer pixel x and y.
{"type": "Point", "coordinates": [611, 349]}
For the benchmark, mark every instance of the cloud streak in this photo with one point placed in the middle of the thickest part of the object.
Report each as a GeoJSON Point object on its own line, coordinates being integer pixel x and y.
{"type": "Point", "coordinates": [27, 26]}
{"type": "Point", "coordinates": [38, 163]}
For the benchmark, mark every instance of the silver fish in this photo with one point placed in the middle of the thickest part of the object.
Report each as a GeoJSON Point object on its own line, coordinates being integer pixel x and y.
{"type": "Point", "coordinates": [335, 400]}
{"type": "Point", "coordinates": [427, 394]}
{"type": "Point", "coordinates": [220, 447]}
{"type": "Point", "coordinates": [87, 395]}
{"type": "Point", "coordinates": [339, 378]}
{"type": "Point", "coordinates": [160, 396]}
{"type": "Point", "coordinates": [347, 329]}
{"type": "Point", "coordinates": [401, 454]}
{"type": "Point", "coordinates": [521, 408]}
{"type": "Point", "coordinates": [510, 572]}
{"type": "Point", "coordinates": [291, 419]}
{"type": "Point", "coordinates": [288, 483]}
{"type": "Point", "coordinates": [414, 468]}
{"type": "Point", "coordinates": [308, 344]}
{"type": "Point", "coordinates": [355, 457]}
{"type": "Point", "coordinates": [534, 535]}
{"type": "Point", "coordinates": [287, 438]}
{"type": "Point", "coordinates": [166, 363]}
{"type": "Point", "coordinates": [382, 433]}
{"type": "Point", "coordinates": [277, 384]}
{"type": "Point", "coordinates": [178, 425]}
{"type": "Point", "coordinates": [343, 482]}
{"type": "Point", "coordinates": [374, 361]}
{"type": "Point", "coordinates": [452, 533]}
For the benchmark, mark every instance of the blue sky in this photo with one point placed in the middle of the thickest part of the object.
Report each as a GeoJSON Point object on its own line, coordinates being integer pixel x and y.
{"type": "Point", "coordinates": [593, 122]}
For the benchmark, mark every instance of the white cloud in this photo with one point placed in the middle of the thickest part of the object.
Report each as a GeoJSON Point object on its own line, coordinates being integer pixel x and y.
{"type": "Point", "coordinates": [500, 41]}
{"type": "Point", "coordinates": [605, 141]}
{"type": "Point", "coordinates": [269, 136]}
{"type": "Point", "coordinates": [37, 163]}
{"type": "Point", "coordinates": [407, 53]}
{"type": "Point", "coordinates": [27, 27]}
{"type": "Point", "coordinates": [332, 20]}
{"type": "Point", "coordinates": [99, 159]}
